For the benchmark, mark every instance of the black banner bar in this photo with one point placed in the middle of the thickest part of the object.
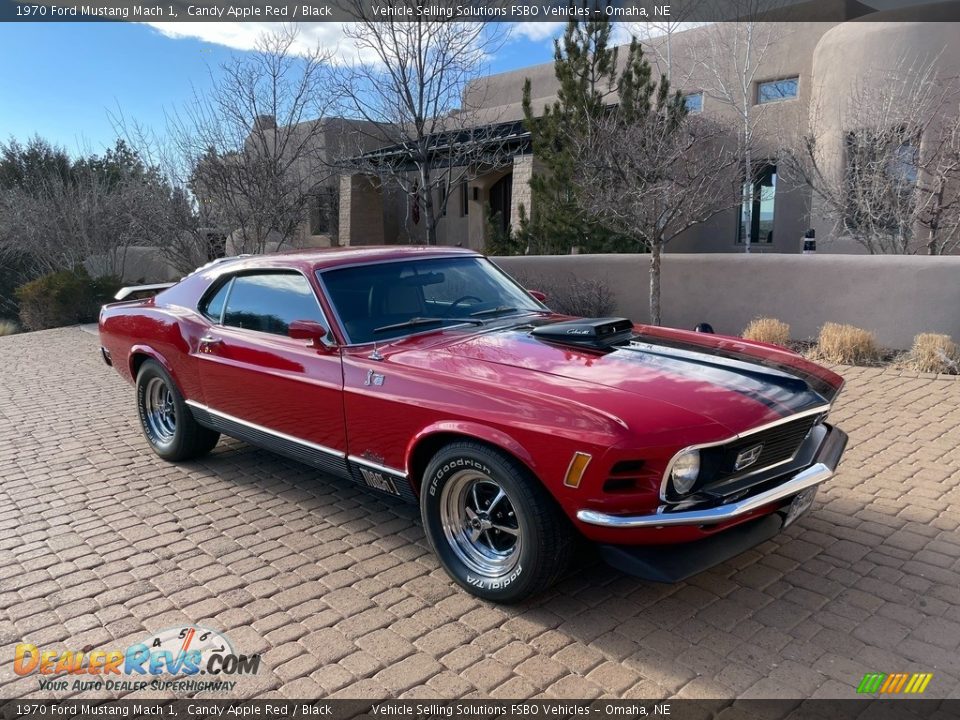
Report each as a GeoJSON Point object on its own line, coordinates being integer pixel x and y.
{"type": "Point", "coordinates": [202, 709]}
{"type": "Point", "coordinates": [471, 10]}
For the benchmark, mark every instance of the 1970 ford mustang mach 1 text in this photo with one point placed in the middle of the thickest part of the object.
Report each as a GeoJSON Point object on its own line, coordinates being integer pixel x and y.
{"type": "Point", "coordinates": [428, 374]}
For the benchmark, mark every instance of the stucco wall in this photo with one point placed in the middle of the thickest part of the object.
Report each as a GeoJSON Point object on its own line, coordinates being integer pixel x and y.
{"type": "Point", "coordinates": [895, 297]}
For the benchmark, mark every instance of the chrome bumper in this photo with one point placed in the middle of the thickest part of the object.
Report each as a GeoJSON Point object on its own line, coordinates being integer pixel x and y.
{"type": "Point", "coordinates": [828, 457]}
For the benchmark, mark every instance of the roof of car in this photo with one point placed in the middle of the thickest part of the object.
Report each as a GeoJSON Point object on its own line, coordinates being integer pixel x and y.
{"type": "Point", "coordinates": [323, 258]}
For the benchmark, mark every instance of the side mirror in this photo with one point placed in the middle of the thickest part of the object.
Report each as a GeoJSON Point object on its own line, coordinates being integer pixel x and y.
{"type": "Point", "coordinates": [537, 295]}
{"type": "Point", "coordinates": [307, 330]}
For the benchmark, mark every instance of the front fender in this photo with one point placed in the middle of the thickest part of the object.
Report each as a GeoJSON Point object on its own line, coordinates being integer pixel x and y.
{"type": "Point", "coordinates": [466, 428]}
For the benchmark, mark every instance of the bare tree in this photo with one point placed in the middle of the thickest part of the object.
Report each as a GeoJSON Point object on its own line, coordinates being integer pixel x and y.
{"type": "Point", "coordinates": [408, 84]}
{"type": "Point", "coordinates": [649, 169]}
{"type": "Point", "coordinates": [657, 37]}
{"type": "Point", "coordinates": [94, 207]}
{"type": "Point", "coordinates": [731, 59]}
{"type": "Point", "coordinates": [884, 164]}
{"type": "Point", "coordinates": [254, 142]}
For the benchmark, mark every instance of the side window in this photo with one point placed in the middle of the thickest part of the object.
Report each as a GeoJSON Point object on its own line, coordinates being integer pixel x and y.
{"type": "Point", "coordinates": [212, 307]}
{"type": "Point", "coordinates": [269, 302]}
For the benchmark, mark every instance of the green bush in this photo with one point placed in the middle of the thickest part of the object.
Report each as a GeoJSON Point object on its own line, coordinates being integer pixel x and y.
{"type": "Point", "coordinates": [66, 297]}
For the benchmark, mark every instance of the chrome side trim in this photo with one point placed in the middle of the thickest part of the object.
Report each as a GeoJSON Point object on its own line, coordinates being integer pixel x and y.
{"type": "Point", "coordinates": [740, 436]}
{"type": "Point", "coordinates": [814, 475]}
{"type": "Point", "coordinates": [376, 466]}
{"type": "Point", "coordinates": [268, 431]}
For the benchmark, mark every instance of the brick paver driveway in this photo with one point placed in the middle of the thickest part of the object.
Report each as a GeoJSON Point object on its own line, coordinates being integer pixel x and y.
{"type": "Point", "coordinates": [101, 542]}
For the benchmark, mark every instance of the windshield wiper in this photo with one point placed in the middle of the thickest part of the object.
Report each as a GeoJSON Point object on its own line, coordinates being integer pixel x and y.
{"type": "Point", "coordinates": [414, 322]}
{"type": "Point", "coordinates": [495, 311]}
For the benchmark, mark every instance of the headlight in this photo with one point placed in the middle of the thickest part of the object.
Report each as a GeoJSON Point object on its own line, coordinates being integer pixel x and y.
{"type": "Point", "coordinates": [684, 472]}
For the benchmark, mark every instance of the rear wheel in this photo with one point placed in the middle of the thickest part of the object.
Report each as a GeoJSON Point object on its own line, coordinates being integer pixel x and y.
{"type": "Point", "coordinates": [492, 525]}
{"type": "Point", "coordinates": [165, 418]}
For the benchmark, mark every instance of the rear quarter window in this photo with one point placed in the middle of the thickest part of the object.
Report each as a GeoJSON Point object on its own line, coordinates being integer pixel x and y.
{"type": "Point", "coordinates": [212, 306]}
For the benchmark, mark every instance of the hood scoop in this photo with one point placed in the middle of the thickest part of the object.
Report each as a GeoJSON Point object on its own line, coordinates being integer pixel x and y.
{"type": "Point", "coordinates": [598, 333]}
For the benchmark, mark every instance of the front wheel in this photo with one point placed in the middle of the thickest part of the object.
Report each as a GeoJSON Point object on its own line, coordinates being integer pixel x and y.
{"type": "Point", "coordinates": [494, 528]}
{"type": "Point", "coordinates": [165, 418]}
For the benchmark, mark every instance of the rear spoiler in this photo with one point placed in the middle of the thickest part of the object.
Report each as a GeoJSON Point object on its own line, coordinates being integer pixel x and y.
{"type": "Point", "coordinates": [141, 290]}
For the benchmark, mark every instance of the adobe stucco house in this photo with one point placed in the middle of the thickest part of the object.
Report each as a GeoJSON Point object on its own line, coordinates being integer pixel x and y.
{"type": "Point", "coordinates": [807, 68]}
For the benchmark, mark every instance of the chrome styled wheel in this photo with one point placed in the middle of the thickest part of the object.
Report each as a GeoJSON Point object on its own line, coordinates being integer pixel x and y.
{"type": "Point", "coordinates": [160, 411]}
{"type": "Point", "coordinates": [480, 523]}
{"type": "Point", "coordinates": [167, 423]}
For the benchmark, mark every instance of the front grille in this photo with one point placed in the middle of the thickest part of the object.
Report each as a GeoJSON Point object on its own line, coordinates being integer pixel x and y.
{"type": "Point", "coordinates": [778, 445]}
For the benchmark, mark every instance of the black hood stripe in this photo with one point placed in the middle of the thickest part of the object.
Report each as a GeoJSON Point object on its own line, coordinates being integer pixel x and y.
{"type": "Point", "coordinates": [815, 383]}
{"type": "Point", "coordinates": [780, 391]}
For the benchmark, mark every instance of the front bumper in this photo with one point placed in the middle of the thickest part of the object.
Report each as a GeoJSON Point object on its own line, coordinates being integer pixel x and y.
{"type": "Point", "coordinates": [673, 563]}
{"type": "Point", "coordinates": [822, 469]}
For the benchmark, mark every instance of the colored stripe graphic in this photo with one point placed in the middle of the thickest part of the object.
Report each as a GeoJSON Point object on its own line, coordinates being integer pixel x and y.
{"type": "Point", "coordinates": [871, 683]}
{"type": "Point", "coordinates": [892, 684]}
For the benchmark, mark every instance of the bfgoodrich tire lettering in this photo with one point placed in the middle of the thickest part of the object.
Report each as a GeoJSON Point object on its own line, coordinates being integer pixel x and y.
{"type": "Point", "coordinates": [167, 422]}
{"type": "Point", "coordinates": [492, 525]}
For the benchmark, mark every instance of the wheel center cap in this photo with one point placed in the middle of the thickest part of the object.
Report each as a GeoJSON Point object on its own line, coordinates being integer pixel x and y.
{"type": "Point", "coordinates": [481, 523]}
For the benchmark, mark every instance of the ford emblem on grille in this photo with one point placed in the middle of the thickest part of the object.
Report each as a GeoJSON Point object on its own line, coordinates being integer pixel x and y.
{"type": "Point", "coordinates": [747, 457]}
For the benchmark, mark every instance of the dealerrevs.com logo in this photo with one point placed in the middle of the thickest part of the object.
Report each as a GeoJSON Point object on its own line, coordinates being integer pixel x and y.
{"type": "Point", "coordinates": [160, 662]}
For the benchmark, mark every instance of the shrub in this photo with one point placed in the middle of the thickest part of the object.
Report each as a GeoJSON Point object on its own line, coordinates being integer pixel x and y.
{"type": "Point", "coordinates": [767, 330]}
{"type": "Point", "coordinates": [847, 345]}
{"type": "Point", "coordinates": [570, 295]}
{"type": "Point", "coordinates": [935, 353]}
{"type": "Point", "coordinates": [65, 297]}
{"type": "Point", "coordinates": [8, 327]}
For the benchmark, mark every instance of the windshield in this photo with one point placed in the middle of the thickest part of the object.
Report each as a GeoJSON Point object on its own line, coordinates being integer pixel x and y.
{"type": "Point", "coordinates": [387, 300]}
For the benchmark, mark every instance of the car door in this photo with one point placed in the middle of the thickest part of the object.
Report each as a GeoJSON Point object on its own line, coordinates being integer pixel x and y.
{"type": "Point", "coordinates": [265, 386]}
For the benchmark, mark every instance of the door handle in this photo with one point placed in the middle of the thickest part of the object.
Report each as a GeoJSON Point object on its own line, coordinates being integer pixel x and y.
{"type": "Point", "coordinates": [208, 342]}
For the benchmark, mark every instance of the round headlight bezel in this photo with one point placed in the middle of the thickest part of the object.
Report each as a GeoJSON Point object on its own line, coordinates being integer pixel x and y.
{"type": "Point", "coordinates": [684, 472]}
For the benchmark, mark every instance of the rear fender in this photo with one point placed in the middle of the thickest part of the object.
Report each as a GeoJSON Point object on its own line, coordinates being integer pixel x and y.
{"type": "Point", "coordinates": [153, 355]}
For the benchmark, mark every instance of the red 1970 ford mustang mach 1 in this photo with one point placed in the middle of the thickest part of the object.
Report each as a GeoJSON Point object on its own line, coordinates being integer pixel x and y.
{"type": "Point", "coordinates": [430, 375]}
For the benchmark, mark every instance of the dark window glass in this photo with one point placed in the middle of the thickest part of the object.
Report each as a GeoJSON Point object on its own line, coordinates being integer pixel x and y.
{"type": "Point", "coordinates": [269, 302]}
{"type": "Point", "coordinates": [694, 102]}
{"type": "Point", "coordinates": [212, 307]}
{"type": "Point", "coordinates": [775, 90]}
{"type": "Point", "coordinates": [323, 211]}
{"type": "Point", "coordinates": [464, 199]}
{"type": "Point", "coordinates": [757, 208]}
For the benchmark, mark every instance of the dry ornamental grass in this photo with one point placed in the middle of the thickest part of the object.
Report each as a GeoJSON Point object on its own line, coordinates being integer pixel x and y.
{"type": "Point", "coordinates": [8, 327]}
{"type": "Point", "coordinates": [935, 353]}
{"type": "Point", "coordinates": [847, 345]}
{"type": "Point", "coordinates": [768, 330]}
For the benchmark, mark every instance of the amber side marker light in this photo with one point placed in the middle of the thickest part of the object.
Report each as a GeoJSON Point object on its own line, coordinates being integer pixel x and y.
{"type": "Point", "coordinates": [578, 466]}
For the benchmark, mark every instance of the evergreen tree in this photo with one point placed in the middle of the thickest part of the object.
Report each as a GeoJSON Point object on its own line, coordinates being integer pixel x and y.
{"type": "Point", "coordinates": [586, 69]}
{"type": "Point", "coordinates": [589, 88]}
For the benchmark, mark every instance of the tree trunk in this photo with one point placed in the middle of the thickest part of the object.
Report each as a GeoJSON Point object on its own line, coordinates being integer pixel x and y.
{"type": "Point", "coordinates": [747, 200]}
{"type": "Point", "coordinates": [428, 209]}
{"type": "Point", "coordinates": [656, 248]}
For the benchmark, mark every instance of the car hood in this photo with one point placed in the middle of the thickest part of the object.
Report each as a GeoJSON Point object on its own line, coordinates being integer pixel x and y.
{"type": "Point", "coordinates": [735, 383]}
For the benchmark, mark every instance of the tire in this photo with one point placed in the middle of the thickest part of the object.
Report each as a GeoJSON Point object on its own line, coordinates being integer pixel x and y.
{"type": "Point", "coordinates": [519, 542]}
{"type": "Point", "coordinates": [165, 419]}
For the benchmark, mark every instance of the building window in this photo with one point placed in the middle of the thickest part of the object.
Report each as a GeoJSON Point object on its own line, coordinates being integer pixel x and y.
{"type": "Point", "coordinates": [776, 90]}
{"type": "Point", "coordinates": [443, 201]}
{"type": "Point", "coordinates": [464, 199]}
{"type": "Point", "coordinates": [881, 176]}
{"type": "Point", "coordinates": [694, 102]}
{"type": "Point", "coordinates": [323, 210]}
{"type": "Point", "coordinates": [757, 208]}
{"type": "Point", "coordinates": [501, 196]}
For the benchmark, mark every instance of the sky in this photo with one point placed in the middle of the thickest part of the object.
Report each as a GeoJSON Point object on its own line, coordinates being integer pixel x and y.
{"type": "Point", "coordinates": [68, 82]}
